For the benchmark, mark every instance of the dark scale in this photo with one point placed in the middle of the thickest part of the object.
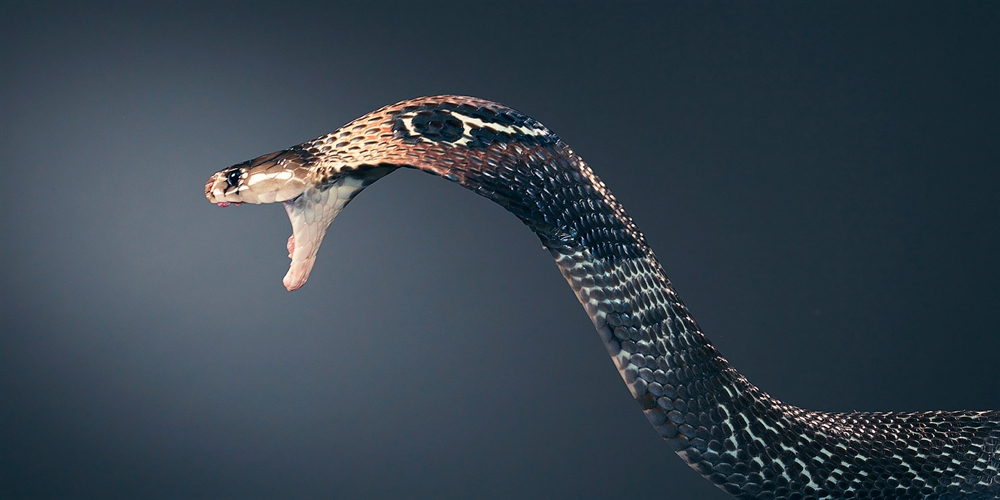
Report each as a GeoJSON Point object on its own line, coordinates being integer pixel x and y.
{"type": "Point", "coordinates": [438, 123]}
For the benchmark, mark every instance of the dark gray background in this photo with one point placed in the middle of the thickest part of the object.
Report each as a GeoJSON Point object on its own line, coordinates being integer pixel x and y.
{"type": "Point", "coordinates": [820, 182]}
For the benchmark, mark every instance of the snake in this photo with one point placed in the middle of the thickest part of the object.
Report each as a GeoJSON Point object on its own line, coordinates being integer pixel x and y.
{"type": "Point", "coordinates": [739, 438]}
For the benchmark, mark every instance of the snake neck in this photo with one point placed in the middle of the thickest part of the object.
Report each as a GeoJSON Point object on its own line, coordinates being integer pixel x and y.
{"type": "Point", "coordinates": [673, 371]}
{"type": "Point", "coordinates": [723, 426]}
{"type": "Point", "coordinates": [727, 429]}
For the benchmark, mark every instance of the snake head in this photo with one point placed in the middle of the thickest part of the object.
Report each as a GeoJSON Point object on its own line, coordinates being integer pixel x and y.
{"type": "Point", "coordinates": [279, 176]}
{"type": "Point", "coordinates": [312, 199]}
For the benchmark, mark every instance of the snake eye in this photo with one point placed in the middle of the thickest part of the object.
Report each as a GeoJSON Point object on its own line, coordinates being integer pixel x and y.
{"type": "Point", "coordinates": [233, 178]}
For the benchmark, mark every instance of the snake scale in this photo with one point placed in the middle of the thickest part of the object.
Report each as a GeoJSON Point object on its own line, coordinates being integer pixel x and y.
{"type": "Point", "coordinates": [739, 438]}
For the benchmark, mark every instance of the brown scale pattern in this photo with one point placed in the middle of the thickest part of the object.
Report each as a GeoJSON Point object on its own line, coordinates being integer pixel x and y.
{"type": "Point", "coordinates": [738, 437]}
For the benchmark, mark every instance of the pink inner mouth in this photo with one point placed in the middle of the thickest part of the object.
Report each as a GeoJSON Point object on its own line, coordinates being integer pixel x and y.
{"type": "Point", "coordinates": [225, 204]}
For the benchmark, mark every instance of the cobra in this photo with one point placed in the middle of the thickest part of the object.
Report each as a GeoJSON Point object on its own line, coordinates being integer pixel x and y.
{"type": "Point", "coordinates": [739, 438]}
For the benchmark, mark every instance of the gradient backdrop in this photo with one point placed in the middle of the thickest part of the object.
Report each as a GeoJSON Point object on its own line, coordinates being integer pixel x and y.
{"type": "Point", "coordinates": [820, 182]}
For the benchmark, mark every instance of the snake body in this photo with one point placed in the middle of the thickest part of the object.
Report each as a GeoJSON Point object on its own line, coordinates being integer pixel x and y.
{"type": "Point", "coordinates": [738, 437]}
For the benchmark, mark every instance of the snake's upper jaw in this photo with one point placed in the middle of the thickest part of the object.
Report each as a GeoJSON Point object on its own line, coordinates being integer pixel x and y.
{"type": "Point", "coordinates": [279, 176]}
{"type": "Point", "coordinates": [311, 214]}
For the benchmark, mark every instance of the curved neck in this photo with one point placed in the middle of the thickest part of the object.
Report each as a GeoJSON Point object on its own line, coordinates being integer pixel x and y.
{"type": "Point", "coordinates": [670, 367]}
{"type": "Point", "coordinates": [723, 426]}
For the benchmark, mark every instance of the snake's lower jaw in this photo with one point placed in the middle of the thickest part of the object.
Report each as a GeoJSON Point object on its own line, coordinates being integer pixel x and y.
{"type": "Point", "coordinates": [298, 273]}
{"type": "Point", "coordinates": [298, 270]}
{"type": "Point", "coordinates": [311, 214]}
